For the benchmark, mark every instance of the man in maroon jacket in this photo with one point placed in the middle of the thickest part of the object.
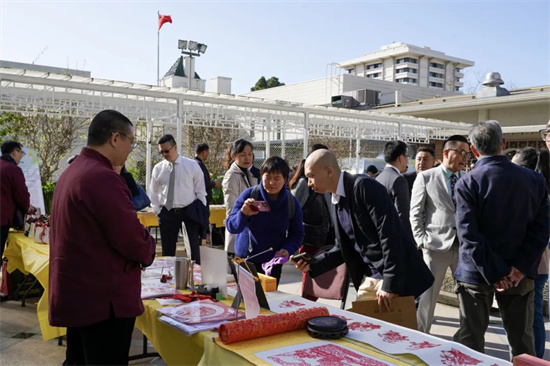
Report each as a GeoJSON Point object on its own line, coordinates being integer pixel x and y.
{"type": "Point", "coordinates": [13, 190]}
{"type": "Point", "coordinates": [97, 249]}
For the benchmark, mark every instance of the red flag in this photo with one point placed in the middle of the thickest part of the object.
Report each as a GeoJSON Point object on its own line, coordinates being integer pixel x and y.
{"type": "Point", "coordinates": [164, 19]}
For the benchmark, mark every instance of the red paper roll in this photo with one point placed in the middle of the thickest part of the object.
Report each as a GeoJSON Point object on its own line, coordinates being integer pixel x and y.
{"type": "Point", "coordinates": [262, 326]}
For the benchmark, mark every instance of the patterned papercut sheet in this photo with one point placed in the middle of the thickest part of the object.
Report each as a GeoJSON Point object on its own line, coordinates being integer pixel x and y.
{"type": "Point", "coordinates": [203, 311]}
{"type": "Point", "coordinates": [394, 339]}
{"type": "Point", "coordinates": [319, 353]}
{"type": "Point", "coordinates": [154, 290]}
{"type": "Point", "coordinates": [391, 338]}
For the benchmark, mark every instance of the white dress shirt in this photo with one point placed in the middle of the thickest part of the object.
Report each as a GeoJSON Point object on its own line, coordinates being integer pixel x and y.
{"type": "Point", "coordinates": [340, 191]}
{"type": "Point", "coordinates": [188, 186]}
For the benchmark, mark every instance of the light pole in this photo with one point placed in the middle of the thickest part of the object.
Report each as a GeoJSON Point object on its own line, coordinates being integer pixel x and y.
{"type": "Point", "coordinates": [191, 48]}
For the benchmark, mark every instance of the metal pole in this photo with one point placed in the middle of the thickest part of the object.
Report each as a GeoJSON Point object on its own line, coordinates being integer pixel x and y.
{"type": "Point", "coordinates": [158, 52]}
{"type": "Point", "coordinates": [178, 126]}
{"type": "Point", "coordinates": [306, 133]}
{"type": "Point", "coordinates": [148, 162]}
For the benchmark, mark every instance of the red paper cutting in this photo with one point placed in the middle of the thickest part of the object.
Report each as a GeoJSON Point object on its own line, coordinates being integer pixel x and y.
{"type": "Point", "coordinates": [363, 327]}
{"type": "Point", "coordinates": [329, 354]}
{"type": "Point", "coordinates": [393, 337]}
{"type": "Point", "coordinates": [268, 325]}
{"type": "Point", "coordinates": [290, 304]}
{"type": "Point", "coordinates": [456, 358]}
{"type": "Point", "coordinates": [422, 345]}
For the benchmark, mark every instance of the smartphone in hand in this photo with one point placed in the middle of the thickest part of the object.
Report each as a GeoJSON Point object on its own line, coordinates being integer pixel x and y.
{"type": "Point", "coordinates": [261, 206]}
{"type": "Point", "coordinates": [308, 258]}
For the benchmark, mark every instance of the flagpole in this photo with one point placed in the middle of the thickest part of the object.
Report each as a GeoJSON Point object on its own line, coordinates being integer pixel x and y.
{"type": "Point", "coordinates": [158, 50]}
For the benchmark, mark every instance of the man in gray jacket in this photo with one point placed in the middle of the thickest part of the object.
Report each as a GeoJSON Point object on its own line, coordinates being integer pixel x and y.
{"type": "Point", "coordinates": [433, 221]}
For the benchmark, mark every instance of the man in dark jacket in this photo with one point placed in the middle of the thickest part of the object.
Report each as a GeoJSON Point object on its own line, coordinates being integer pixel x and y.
{"type": "Point", "coordinates": [13, 190]}
{"type": "Point", "coordinates": [98, 248]}
{"type": "Point", "coordinates": [201, 154]}
{"type": "Point", "coordinates": [371, 238]}
{"type": "Point", "coordinates": [503, 227]}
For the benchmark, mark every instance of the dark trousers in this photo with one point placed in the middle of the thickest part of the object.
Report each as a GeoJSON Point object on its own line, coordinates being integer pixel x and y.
{"type": "Point", "coordinates": [170, 226]}
{"type": "Point", "coordinates": [104, 343]}
{"type": "Point", "coordinates": [538, 325]}
{"type": "Point", "coordinates": [516, 310]}
{"type": "Point", "coordinates": [4, 230]}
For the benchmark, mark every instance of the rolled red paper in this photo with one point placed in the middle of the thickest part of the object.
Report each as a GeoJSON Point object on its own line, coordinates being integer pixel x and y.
{"type": "Point", "coordinates": [262, 326]}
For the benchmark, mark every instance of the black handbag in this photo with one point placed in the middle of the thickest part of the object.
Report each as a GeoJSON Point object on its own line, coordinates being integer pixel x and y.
{"type": "Point", "coordinates": [18, 221]}
{"type": "Point", "coordinates": [141, 200]}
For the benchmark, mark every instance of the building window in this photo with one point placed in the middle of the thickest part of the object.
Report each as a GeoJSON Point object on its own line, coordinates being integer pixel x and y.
{"type": "Point", "coordinates": [374, 66]}
{"type": "Point", "coordinates": [406, 80]}
{"type": "Point", "coordinates": [406, 59]}
{"type": "Point", "coordinates": [436, 65]}
{"type": "Point", "coordinates": [457, 88]}
{"type": "Point", "coordinates": [375, 75]}
{"type": "Point", "coordinates": [436, 85]}
{"type": "Point", "coordinates": [406, 69]}
{"type": "Point", "coordinates": [436, 75]}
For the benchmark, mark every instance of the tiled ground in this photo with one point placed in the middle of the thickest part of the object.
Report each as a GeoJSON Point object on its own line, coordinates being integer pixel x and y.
{"type": "Point", "coordinates": [21, 341]}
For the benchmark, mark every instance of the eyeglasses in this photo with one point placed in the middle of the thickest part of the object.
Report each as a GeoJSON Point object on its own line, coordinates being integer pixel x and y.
{"type": "Point", "coordinates": [166, 151]}
{"type": "Point", "coordinates": [544, 133]}
{"type": "Point", "coordinates": [22, 152]}
{"type": "Point", "coordinates": [462, 152]}
{"type": "Point", "coordinates": [132, 143]}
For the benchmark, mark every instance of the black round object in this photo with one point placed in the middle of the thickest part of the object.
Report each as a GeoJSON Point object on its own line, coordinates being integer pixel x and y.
{"type": "Point", "coordinates": [327, 327]}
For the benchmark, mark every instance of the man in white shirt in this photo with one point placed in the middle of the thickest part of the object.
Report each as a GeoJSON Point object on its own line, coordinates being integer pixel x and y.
{"type": "Point", "coordinates": [433, 221]}
{"type": "Point", "coordinates": [177, 193]}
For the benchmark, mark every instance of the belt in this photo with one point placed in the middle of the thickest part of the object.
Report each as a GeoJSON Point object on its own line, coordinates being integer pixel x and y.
{"type": "Point", "coordinates": [175, 209]}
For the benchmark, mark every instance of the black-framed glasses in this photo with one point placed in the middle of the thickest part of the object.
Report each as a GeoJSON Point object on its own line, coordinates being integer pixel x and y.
{"type": "Point", "coordinates": [132, 143]}
{"type": "Point", "coordinates": [22, 152]}
{"type": "Point", "coordinates": [166, 151]}
{"type": "Point", "coordinates": [462, 152]}
{"type": "Point", "coordinates": [544, 133]}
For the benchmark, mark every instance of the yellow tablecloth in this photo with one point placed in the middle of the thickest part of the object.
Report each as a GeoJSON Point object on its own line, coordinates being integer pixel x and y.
{"type": "Point", "coordinates": [29, 257]}
{"type": "Point", "coordinates": [217, 217]}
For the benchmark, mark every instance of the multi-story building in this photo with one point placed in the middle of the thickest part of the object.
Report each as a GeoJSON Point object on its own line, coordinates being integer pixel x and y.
{"type": "Point", "coordinates": [407, 64]}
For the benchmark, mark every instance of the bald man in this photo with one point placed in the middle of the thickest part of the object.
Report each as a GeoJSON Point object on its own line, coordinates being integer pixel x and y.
{"type": "Point", "coordinates": [371, 238]}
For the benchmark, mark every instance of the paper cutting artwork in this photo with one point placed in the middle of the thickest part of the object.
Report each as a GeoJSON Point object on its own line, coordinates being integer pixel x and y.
{"type": "Point", "coordinates": [290, 304]}
{"type": "Point", "coordinates": [153, 290]}
{"type": "Point", "coordinates": [363, 326]}
{"type": "Point", "coordinates": [319, 353]}
{"type": "Point", "coordinates": [422, 345]}
{"type": "Point", "coordinates": [201, 312]}
{"type": "Point", "coordinates": [456, 358]}
{"type": "Point", "coordinates": [393, 337]}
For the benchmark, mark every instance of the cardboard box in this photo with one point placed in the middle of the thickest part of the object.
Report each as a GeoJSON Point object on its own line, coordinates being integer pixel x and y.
{"type": "Point", "coordinates": [403, 311]}
{"type": "Point", "coordinates": [268, 283]}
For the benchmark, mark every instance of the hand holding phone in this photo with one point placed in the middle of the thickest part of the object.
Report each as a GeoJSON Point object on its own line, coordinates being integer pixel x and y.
{"type": "Point", "coordinates": [262, 206]}
{"type": "Point", "coordinates": [308, 258]}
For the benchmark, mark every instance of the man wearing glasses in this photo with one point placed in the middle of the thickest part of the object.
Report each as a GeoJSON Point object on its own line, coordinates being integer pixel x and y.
{"type": "Point", "coordinates": [97, 249]}
{"type": "Point", "coordinates": [177, 193]}
{"type": "Point", "coordinates": [14, 192]}
{"type": "Point", "coordinates": [433, 221]}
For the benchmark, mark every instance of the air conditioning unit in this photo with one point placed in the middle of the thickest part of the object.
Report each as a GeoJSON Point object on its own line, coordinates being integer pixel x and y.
{"type": "Point", "coordinates": [344, 101]}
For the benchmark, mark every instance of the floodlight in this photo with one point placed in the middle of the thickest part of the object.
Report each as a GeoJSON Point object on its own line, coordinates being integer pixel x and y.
{"type": "Point", "coordinates": [202, 48]}
{"type": "Point", "coordinates": [193, 46]}
{"type": "Point", "coordinates": [182, 45]}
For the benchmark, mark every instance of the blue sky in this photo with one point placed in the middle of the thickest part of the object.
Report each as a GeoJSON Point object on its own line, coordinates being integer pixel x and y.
{"type": "Point", "coordinates": [292, 40]}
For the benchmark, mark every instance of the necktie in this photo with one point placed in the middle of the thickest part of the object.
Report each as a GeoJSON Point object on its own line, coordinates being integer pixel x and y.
{"type": "Point", "coordinates": [453, 183]}
{"type": "Point", "coordinates": [170, 195]}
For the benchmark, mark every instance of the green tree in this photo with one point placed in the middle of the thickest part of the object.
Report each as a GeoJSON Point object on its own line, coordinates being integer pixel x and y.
{"type": "Point", "coordinates": [260, 84]}
{"type": "Point", "coordinates": [273, 82]}
{"type": "Point", "coordinates": [10, 126]}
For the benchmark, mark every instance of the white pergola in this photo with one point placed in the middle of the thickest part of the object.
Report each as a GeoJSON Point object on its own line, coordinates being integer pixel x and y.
{"type": "Point", "coordinates": [36, 92]}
